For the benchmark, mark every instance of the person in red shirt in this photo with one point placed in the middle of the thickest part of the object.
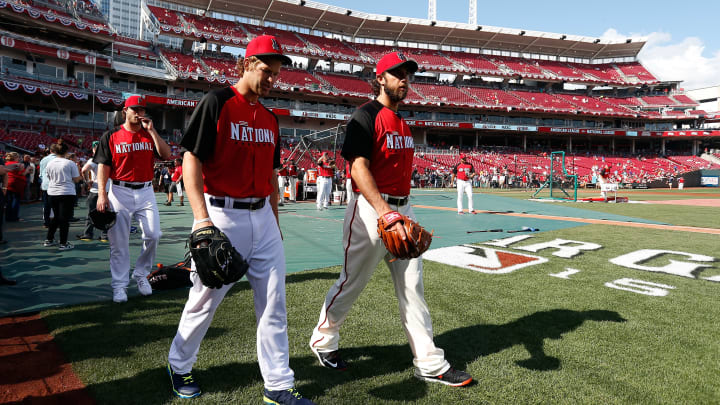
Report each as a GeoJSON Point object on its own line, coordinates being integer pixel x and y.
{"type": "Point", "coordinates": [15, 187]}
{"type": "Point", "coordinates": [292, 173]}
{"type": "Point", "coordinates": [380, 147]}
{"type": "Point", "coordinates": [230, 171]}
{"type": "Point", "coordinates": [463, 174]}
{"type": "Point", "coordinates": [326, 169]}
{"type": "Point", "coordinates": [282, 179]}
{"type": "Point", "coordinates": [4, 170]}
{"type": "Point", "coordinates": [125, 156]}
{"type": "Point", "coordinates": [177, 183]}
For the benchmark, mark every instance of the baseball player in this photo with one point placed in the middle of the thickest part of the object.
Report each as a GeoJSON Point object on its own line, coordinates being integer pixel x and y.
{"type": "Point", "coordinates": [231, 132]}
{"type": "Point", "coordinates": [292, 173]}
{"type": "Point", "coordinates": [177, 183]}
{"type": "Point", "coordinates": [325, 168]}
{"type": "Point", "coordinates": [380, 146]}
{"type": "Point", "coordinates": [463, 174]}
{"type": "Point", "coordinates": [125, 156]}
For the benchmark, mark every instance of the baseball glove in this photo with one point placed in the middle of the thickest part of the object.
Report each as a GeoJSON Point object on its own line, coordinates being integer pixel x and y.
{"type": "Point", "coordinates": [417, 241]}
{"type": "Point", "coordinates": [217, 262]}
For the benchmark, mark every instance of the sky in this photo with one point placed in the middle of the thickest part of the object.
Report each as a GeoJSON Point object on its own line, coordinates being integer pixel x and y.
{"type": "Point", "coordinates": [683, 39]}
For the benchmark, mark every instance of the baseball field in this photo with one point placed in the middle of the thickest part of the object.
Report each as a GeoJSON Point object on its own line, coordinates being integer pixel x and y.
{"type": "Point", "coordinates": [569, 303]}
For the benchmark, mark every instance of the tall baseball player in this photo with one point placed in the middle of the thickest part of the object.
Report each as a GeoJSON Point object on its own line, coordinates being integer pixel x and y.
{"type": "Point", "coordinates": [380, 146]}
{"type": "Point", "coordinates": [325, 167]}
{"type": "Point", "coordinates": [231, 132]}
{"type": "Point", "coordinates": [463, 174]}
{"type": "Point", "coordinates": [125, 156]}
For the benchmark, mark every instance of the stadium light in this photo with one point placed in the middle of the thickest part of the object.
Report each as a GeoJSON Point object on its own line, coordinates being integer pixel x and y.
{"type": "Point", "coordinates": [432, 23]}
{"type": "Point", "coordinates": [521, 33]}
{"type": "Point", "coordinates": [563, 37]}
{"type": "Point", "coordinates": [302, 3]}
{"type": "Point", "coordinates": [597, 41]}
{"type": "Point", "coordinates": [627, 41]}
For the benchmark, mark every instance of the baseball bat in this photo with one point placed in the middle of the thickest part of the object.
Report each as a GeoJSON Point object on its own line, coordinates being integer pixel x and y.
{"type": "Point", "coordinates": [486, 230]}
{"type": "Point", "coordinates": [524, 229]}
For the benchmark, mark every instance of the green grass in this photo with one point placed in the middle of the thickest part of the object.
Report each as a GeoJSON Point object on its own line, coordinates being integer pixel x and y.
{"type": "Point", "coordinates": [525, 336]}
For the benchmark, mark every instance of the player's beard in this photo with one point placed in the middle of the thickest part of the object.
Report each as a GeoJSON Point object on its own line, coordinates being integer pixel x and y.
{"type": "Point", "coordinates": [397, 94]}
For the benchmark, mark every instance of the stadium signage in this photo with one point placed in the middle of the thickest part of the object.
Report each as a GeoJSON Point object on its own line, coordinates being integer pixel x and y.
{"type": "Point", "coordinates": [490, 260]}
{"type": "Point", "coordinates": [321, 115]}
{"type": "Point", "coordinates": [171, 101]}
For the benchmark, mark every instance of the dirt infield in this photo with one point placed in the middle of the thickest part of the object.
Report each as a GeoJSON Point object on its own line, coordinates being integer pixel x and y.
{"type": "Point", "coordinates": [711, 231]}
{"type": "Point", "coordinates": [32, 368]}
{"type": "Point", "coordinates": [695, 202]}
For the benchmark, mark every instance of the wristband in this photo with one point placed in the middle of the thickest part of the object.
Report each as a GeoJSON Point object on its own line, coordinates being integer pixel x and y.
{"type": "Point", "coordinates": [199, 221]}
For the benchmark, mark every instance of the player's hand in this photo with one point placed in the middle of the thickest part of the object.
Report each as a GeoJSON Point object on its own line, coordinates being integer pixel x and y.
{"type": "Point", "coordinates": [102, 202]}
{"type": "Point", "coordinates": [400, 229]}
{"type": "Point", "coordinates": [147, 123]}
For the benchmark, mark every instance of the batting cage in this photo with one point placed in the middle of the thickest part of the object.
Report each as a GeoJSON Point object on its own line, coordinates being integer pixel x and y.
{"type": "Point", "coordinates": [559, 180]}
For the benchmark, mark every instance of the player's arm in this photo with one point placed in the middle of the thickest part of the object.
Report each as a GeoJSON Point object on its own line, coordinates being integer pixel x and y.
{"type": "Point", "coordinates": [192, 168]}
{"type": "Point", "coordinates": [368, 188]}
{"type": "Point", "coordinates": [103, 175]}
{"type": "Point", "coordinates": [274, 196]}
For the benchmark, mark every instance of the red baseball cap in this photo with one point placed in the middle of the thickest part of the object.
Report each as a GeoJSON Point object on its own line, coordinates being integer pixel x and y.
{"type": "Point", "coordinates": [462, 156]}
{"type": "Point", "coordinates": [135, 101]}
{"type": "Point", "coordinates": [266, 45]}
{"type": "Point", "coordinates": [395, 60]}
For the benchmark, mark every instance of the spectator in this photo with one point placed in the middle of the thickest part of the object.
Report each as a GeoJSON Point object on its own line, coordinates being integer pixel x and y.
{"type": "Point", "coordinates": [44, 187]}
{"type": "Point", "coordinates": [15, 187]}
{"type": "Point", "coordinates": [62, 175]}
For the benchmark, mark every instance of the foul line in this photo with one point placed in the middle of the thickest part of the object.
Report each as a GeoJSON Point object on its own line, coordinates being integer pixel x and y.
{"type": "Point", "coordinates": [711, 231]}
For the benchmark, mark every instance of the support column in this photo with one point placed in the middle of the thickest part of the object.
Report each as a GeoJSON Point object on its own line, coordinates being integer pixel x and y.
{"type": "Point", "coordinates": [477, 139]}
{"type": "Point", "coordinates": [524, 143]}
{"type": "Point", "coordinates": [633, 146]}
{"type": "Point", "coordinates": [662, 146]}
{"type": "Point", "coordinates": [695, 147]}
{"type": "Point", "coordinates": [569, 144]}
{"type": "Point", "coordinates": [612, 145]}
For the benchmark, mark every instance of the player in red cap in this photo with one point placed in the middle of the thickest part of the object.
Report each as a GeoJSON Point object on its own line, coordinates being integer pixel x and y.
{"type": "Point", "coordinates": [125, 156]}
{"type": "Point", "coordinates": [230, 132]}
{"type": "Point", "coordinates": [463, 175]}
{"type": "Point", "coordinates": [380, 146]}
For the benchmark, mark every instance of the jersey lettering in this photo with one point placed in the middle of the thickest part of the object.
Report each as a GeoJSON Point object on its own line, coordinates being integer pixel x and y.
{"type": "Point", "coordinates": [396, 141]}
{"type": "Point", "coordinates": [133, 147]}
{"type": "Point", "coordinates": [250, 134]}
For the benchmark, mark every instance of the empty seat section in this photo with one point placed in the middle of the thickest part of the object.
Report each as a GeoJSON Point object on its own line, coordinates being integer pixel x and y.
{"type": "Point", "coordinates": [429, 58]}
{"type": "Point", "coordinates": [658, 101]}
{"type": "Point", "coordinates": [443, 94]}
{"type": "Point", "coordinates": [347, 84]}
{"type": "Point", "coordinates": [165, 16]}
{"type": "Point", "coordinates": [475, 62]}
{"type": "Point", "coordinates": [685, 100]}
{"type": "Point", "coordinates": [545, 100]}
{"type": "Point", "coordinates": [562, 69]}
{"type": "Point", "coordinates": [299, 78]}
{"type": "Point", "coordinates": [286, 39]}
{"type": "Point", "coordinates": [214, 25]}
{"type": "Point", "coordinates": [496, 98]}
{"type": "Point", "coordinates": [520, 66]}
{"type": "Point", "coordinates": [637, 70]}
{"type": "Point", "coordinates": [604, 72]}
{"type": "Point", "coordinates": [331, 45]}
{"type": "Point", "coordinates": [184, 63]}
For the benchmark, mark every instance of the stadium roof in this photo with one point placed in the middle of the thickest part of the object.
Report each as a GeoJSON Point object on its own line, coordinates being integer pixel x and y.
{"type": "Point", "coordinates": [328, 18]}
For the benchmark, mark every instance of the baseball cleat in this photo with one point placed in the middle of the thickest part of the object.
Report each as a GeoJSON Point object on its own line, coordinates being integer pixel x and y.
{"type": "Point", "coordinates": [119, 295]}
{"type": "Point", "coordinates": [285, 397]}
{"type": "Point", "coordinates": [452, 377]}
{"type": "Point", "coordinates": [330, 359]}
{"type": "Point", "coordinates": [49, 242]}
{"type": "Point", "coordinates": [473, 212]}
{"type": "Point", "coordinates": [184, 386]}
{"type": "Point", "coordinates": [84, 238]}
{"type": "Point", "coordinates": [66, 246]}
{"type": "Point", "coordinates": [143, 285]}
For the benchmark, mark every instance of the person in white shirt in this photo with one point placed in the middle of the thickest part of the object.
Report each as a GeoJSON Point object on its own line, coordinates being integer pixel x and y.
{"type": "Point", "coordinates": [62, 174]}
{"type": "Point", "coordinates": [89, 173]}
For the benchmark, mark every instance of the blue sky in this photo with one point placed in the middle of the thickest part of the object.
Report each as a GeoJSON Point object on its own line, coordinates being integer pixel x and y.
{"type": "Point", "coordinates": [683, 38]}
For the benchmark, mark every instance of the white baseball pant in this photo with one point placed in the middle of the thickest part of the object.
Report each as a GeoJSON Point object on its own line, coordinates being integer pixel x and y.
{"type": "Point", "coordinates": [281, 188]}
{"type": "Point", "coordinates": [324, 185]}
{"type": "Point", "coordinates": [464, 186]}
{"type": "Point", "coordinates": [363, 252]}
{"type": "Point", "coordinates": [141, 205]}
{"type": "Point", "coordinates": [256, 236]}
{"type": "Point", "coordinates": [292, 180]}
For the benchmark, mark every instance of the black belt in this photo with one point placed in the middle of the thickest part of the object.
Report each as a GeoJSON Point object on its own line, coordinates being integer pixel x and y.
{"type": "Point", "coordinates": [134, 186]}
{"type": "Point", "coordinates": [238, 205]}
{"type": "Point", "coordinates": [397, 201]}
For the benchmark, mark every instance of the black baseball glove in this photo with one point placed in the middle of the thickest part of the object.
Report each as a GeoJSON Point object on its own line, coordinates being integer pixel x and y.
{"type": "Point", "coordinates": [217, 262]}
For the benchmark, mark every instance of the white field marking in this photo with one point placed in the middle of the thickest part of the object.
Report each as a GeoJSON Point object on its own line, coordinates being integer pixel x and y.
{"type": "Point", "coordinates": [632, 260]}
{"type": "Point", "coordinates": [565, 274]}
{"type": "Point", "coordinates": [640, 287]}
{"type": "Point", "coordinates": [563, 250]}
{"type": "Point", "coordinates": [482, 259]}
{"type": "Point", "coordinates": [507, 241]}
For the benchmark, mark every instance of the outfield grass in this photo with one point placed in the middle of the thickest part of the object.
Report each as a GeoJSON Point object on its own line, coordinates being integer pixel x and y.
{"type": "Point", "coordinates": [526, 336]}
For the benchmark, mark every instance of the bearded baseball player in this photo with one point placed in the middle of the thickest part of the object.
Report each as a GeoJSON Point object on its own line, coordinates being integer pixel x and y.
{"type": "Point", "coordinates": [231, 132]}
{"type": "Point", "coordinates": [125, 156]}
{"type": "Point", "coordinates": [463, 174]}
{"type": "Point", "coordinates": [380, 146]}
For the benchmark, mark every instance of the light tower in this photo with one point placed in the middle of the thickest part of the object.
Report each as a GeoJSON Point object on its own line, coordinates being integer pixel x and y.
{"type": "Point", "coordinates": [472, 13]}
{"type": "Point", "coordinates": [432, 10]}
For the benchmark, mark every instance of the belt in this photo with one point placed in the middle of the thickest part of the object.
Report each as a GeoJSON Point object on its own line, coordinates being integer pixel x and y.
{"type": "Point", "coordinates": [397, 201]}
{"type": "Point", "coordinates": [134, 186]}
{"type": "Point", "coordinates": [238, 205]}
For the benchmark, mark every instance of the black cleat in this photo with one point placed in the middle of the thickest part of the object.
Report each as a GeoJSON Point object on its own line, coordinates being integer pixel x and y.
{"type": "Point", "coordinates": [452, 377]}
{"type": "Point", "coordinates": [183, 384]}
{"type": "Point", "coordinates": [330, 359]}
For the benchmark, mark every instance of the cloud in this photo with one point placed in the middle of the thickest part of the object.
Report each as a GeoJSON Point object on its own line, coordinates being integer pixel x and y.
{"type": "Point", "coordinates": [672, 60]}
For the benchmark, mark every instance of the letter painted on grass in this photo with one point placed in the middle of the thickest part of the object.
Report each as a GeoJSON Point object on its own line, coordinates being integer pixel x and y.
{"type": "Point", "coordinates": [635, 259]}
{"type": "Point", "coordinates": [482, 259]}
